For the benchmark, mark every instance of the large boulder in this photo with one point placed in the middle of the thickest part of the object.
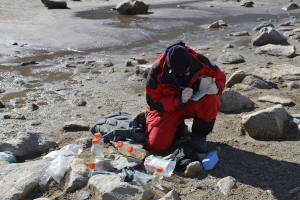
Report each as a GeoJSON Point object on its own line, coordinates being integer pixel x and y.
{"type": "Point", "coordinates": [234, 102]}
{"type": "Point", "coordinates": [266, 124]}
{"type": "Point", "coordinates": [255, 81]}
{"type": "Point", "coordinates": [18, 180]}
{"type": "Point", "coordinates": [79, 175]}
{"type": "Point", "coordinates": [55, 3]}
{"type": "Point", "coordinates": [132, 7]}
{"type": "Point", "coordinates": [277, 50]}
{"type": "Point", "coordinates": [268, 35]}
{"type": "Point", "coordinates": [111, 187]}
{"type": "Point", "coordinates": [284, 72]}
{"type": "Point", "coordinates": [230, 58]}
{"type": "Point", "coordinates": [28, 144]}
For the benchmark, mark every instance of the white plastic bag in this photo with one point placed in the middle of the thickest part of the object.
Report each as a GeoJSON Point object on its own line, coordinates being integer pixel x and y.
{"type": "Point", "coordinates": [57, 168]}
{"type": "Point", "coordinates": [69, 150]}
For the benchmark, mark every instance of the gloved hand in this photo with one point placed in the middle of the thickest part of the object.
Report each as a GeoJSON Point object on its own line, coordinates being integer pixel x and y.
{"type": "Point", "coordinates": [212, 89]}
{"type": "Point", "coordinates": [187, 93]}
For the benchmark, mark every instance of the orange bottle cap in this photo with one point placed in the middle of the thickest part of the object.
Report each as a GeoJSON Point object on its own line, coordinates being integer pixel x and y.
{"type": "Point", "coordinates": [120, 144]}
{"type": "Point", "coordinates": [92, 165]}
{"type": "Point", "coordinates": [95, 141]}
{"type": "Point", "coordinates": [97, 135]}
{"type": "Point", "coordinates": [129, 148]}
{"type": "Point", "coordinates": [159, 169]}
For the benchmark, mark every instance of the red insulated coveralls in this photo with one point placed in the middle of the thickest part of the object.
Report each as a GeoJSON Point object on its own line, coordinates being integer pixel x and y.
{"type": "Point", "coordinates": [165, 110]}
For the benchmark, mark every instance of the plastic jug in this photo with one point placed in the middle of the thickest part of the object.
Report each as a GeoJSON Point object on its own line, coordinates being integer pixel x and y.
{"type": "Point", "coordinates": [210, 160]}
{"type": "Point", "coordinates": [152, 162]}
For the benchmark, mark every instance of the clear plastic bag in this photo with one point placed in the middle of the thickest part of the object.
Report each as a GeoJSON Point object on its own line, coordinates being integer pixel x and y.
{"type": "Point", "coordinates": [57, 168]}
{"type": "Point", "coordinates": [68, 150]}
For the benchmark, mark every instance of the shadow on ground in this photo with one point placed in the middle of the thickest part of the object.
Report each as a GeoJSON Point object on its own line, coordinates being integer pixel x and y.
{"type": "Point", "coordinates": [258, 171]}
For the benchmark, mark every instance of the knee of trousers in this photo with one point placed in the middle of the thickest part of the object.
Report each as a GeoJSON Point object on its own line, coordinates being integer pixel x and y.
{"type": "Point", "coordinates": [160, 139]}
{"type": "Point", "coordinates": [208, 109]}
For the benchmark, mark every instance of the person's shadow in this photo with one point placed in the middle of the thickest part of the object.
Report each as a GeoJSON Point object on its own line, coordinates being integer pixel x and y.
{"type": "Point", "coordinates": [258, 171]}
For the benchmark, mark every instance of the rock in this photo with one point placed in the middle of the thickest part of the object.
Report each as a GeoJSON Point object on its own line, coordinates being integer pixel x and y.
{"type": "Point", "coordinates": [236, 77]}
{"type": "Point", "coordinates": [292, 85]}
{"type": "Point", "coordinates": [143, 70]}
{"type": "Point", "coordinates": [108, 63]}
{"type": "Point", "coordinates": [85, 195]}
{"type": "Point", "coordinates": [283, 72]}
{"type": "Point", "coordinates": [29, 63]}
{"type": "Point", "coordinates": [85, 142]}
{"type": "Point", "coordinates": [2, 105]}
{"type": "Point", "coordinates": [288, 23]}
{"type": "Point", "coordinates": [234, 102]}
{"type": "Point", "coordinates": [263, 25]}
{"type": "Point", "coordinates": [247, 3]}
{"type": "Point", "coordinates": [231, 58]}
{"type": "Point", "coordinates": [193, 169]}
{"type": "Point", "coordinates": [266, 124]}
{"type": "Point", "coordinates": [172, 195]}
{"type": "Point", "coordinates": [34, 107]}
{"type": "Point", "coordinates": [217, 24]}
{"type": "Point", "coordinates": [132, 7]}
{"type": "Point", "coordinates": [26, 144]}
{"type": "Point", "coordinates": [226, 184]}
{"type": "Point", "coordinates": [119, 161]}
{"type": "Point", "coordinates": [140, 61]}
{"type": "Point", "coordinates": [285, 29]}
{"type": "Point", "coordinates": [268, 35]}
{"type": "Point", "coordinates": [79, 102]}
{"type": "Point", "coordinates": [36, 123]}
{"type": "Point", "coordinates": [18, 180]}
{"type": "Point", "coordinates": [14, 115]}
{"type": "Point", "coordinates": [242, 33]}
{"type": "Point", "coordinates": [276, 100]}
{"type": "Point", "coordinates": [258, 82]}
{"type": "Point", "coordinates": [55, 3]}
{"type": "Point", "coordinates": [76, 126]}
{"type": "Point", "coordinates": [110, 187]}
{"type": "Point", "coordinates": [79, 175]}
{"type": "Point", "coordinates": [277, 50]}
{"type": "Point", "coordinates": [129, 64]}
{"type": "Point", "coordinates": [2, 90]}
{"type": "Point", "coordinates": [228, 46]}
{"type": "Point", "coordinates": [291, 6]}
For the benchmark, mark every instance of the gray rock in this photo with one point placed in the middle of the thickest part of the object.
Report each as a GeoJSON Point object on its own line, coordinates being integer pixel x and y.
{"type": "Point", "coordinates": [79, 175]}
{"type": "Point", "coordinates": [55, 3]}
{"type": "Point", "coordinates": [266, 124]}
{"type": "Point", "coordinates": [27, 144]}
{"type": "Point", "coordinates": [276, 100]}
{"type": "Point", "coordinates": [76, 126]}
{"type": "Point", "coordinates": [108, 63]}
{"type": "Point", "coordinates": [268, 35]}
{"type": "Point", "coordinates": [143, 70]}
{"type": "Point", "coordinates": [2, 105]}
{"type": "Point", "coordinates": [242, 33]}
{"type": "Point", "coordinates": [2, 90]}
{"type": "Point", "coordinates": [231, 58]}
{"type": "Point", "coordinates": [217, 24]}
{"type": "Point", "coordinates": [291, 6]}
{"type": "Point", "coordinates": [277, 50]}
{"type": "Point", "coordinates": [14, 115]}
{"type": "Point", "coordinates": [258, 82]}
{"type": "Point", "coordinates": [263, 25]}
{"type": "Point", "coordinates": [228, 46]}
{"type": "Point", "coordinates": [234, 102]}
{"type": "Point", "coordinates": [110, 187]}
{"type": "Point", "coordinates": [18, 180]}
{"type": "Point", "coordinates": [282, 71]}
{"type": "Point", "coordinates": [79, 102]}
{"type": "Point", "coordinates": [226, 184]}
{"type": "Point", "coordinates": [236, 77]}
{"type": "Point", "coordinates": [34, 107]}
{"type": "Point", "coordinates": [247, 3]}
{"type": "Point", "coordinates": [85, 195]}
{"type": "Point", "coordinates": [292, 85]}
{"type": "Point", "coordinates": [140, 61]}
{"type": "Point", "coordinates": [285, 29]}
{"type": "Point", "coordinates": [132, 7]}
{"type": "Point", "coordinates": [172, 195]}
{"type": "Point", "coordinates": [193, 169]}
{"type": "Point", "coordinates": [119, 161]}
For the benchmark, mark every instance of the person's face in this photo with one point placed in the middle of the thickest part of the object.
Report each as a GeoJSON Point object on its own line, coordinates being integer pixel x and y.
{"type": "Point", "coordinates": [186, 73]}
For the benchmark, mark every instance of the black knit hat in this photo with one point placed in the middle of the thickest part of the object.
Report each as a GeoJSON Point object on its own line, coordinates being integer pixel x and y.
{"type": "Point", "coordinates": [178, 59]}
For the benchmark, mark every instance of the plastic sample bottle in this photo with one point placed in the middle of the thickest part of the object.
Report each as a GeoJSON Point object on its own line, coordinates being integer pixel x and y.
{"type": "Point", "coordinates": [210, 160]}
{"type": "Point", "coordinates": [97, 148]}
{"type": "Point", "coordinates": [131, 150]}
{"type": "Point", "coordinates": [157, 176]}
{"type": "Point", "coordinates": [152, 162]}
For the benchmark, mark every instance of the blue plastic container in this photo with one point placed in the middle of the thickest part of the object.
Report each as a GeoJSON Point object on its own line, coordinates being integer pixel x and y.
{"type": "Point", "coordinates": [210, 160]}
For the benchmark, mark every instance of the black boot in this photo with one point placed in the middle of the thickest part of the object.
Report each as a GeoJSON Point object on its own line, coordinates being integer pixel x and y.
{"type": "Point", "coordinates": [200, 130]}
